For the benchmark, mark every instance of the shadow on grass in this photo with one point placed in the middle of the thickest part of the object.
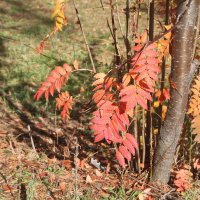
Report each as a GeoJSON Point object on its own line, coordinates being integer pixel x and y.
{"type": "Point", "coordinates": [22, 10]}
{"type": "Point", "coordinates": [3, 54]}
{"type": "Point", "coordinates": [48, 140]}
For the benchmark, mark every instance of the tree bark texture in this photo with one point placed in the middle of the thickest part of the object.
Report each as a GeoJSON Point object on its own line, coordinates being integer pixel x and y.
{"type": "Point", "coordinates": [181, 76]}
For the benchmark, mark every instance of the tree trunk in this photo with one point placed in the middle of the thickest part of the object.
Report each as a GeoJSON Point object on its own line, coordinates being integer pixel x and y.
{"type": "Point", "coordinates": [181, 76]}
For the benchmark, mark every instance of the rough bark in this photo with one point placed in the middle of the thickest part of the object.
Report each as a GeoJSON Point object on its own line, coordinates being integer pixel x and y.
{"type": "Point", "coordinates": [181, 76]}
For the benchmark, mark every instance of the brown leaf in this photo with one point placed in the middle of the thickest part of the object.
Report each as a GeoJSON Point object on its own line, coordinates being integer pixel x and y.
{"type": "Point", "coordinates": [87, 166]}
{"type": "Point", "coordinates": [39, 125]}
{"type": "Point", "coordinates": [98, 173]}
{"type": "Point", "coordinates": [62, 185]}
{"type": "Point", "coordinates": [53, 160]}
{"type": "Point", "coordinates": [108, 168]}
{"type": "Point", "coordinates": [43, 174]}
{"type": "Point", "coordinates": [89, 179]}
{"type": "Point", "coordinates": [142, 165]}
{"type": "Point", "coordinates": [7, 188]}
{"type": "Point", "coordinates": [66, 163]}
{"type": "Point", "coordinates": [52, 177]}
{"type": "Point", "coordinates": [82, 164]}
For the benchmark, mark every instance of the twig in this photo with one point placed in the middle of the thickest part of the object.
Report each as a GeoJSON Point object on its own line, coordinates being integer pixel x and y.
{"type": "Point", "coordinates": [114, 29]}
{"type": "Point", "coordinates": [149, 138]}
{"type": "Point", "coordinates": [119, 21]}
{"type": "Point", "coordinates": [70, 139]}
{"type": "Point", "coordinates": [7, 184]}
{"type": "Point", "coordinates": [77, 70]}
{"type": "Point", "coordinates": [10, 143]}
{"type": "Point", "coordinates": [150, 42]}
{"type": "Point", "coordinates": [32, 142]}
{"type": "Point", "coordinates": [75, 170]}
{"type": "Point", "coordinates": [150, 186]}
{"type": "Point", "coordinates": [143, 137]}
{"type": "Point", "coordinates": [15, 40]}
{"type": "Point", "coordinates": [137, 137]}
{"type": "Point", "coordinates": [167, 195]}
{"type": "Point", "coordinates": [84, 37]}
{"type": "Point", "coordinates": [110, 29]}
{"type": "Point", "coordinates": [127, 43]}
{"type": "Point", "coordinates": [138, 14]}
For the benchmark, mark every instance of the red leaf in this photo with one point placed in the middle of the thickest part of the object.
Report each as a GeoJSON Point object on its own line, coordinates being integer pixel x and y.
{"type": "Point", "coordinates": [67, 67]}
{"type": "Point", "coordinates": [119, 122]}
{"type": "Point", "coordinates": [141, 101]}
{"type": "Point", "coordinates": [144, 93]}
{"type": "Point", "coordinates": [120, 159]}
{"type": "Point", "coordinates": [130, 147]}
{"type": "Point", "coordinates": [114, 128]}
{"type": "Point", "coordinates": [129, 90]}
{"type": "Point", "coordinates": [60, 70]}
{"type": "Point", "coordinates": [99, 137]}
{"type": "Point", "coordinates": [132, 140]}
{"type": "Point", "coordinates": [124, 151]}
{"type": "Point", "coordinates": [65, 102]}
{"type": "Point", "coordinates": [55, 80]}
{"type": "Point", "coordinates": [98, 95]}
{"type": "Point", "coordinates": [166, 93]}
{"type": "Point", "coordinates": [137, 48]}
{"type": "Point", "coordinates": [138, 69]}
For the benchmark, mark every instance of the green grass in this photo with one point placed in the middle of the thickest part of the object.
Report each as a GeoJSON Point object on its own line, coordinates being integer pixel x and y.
{"type": "Point", "coordinates": [194, 192]}
{"type": "Point", "coordinates": [22, 70]}
{"type": "Point", "coordinates": [122, 194]}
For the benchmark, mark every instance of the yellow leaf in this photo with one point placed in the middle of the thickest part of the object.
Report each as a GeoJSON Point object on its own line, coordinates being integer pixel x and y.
{"type": "Point", "coordinates": [59, 26]}
{"type": "Point", "coordinates": [168, 26]}
{"type": "Point", "coordinates": [76, 65]}
{"type": "Point", "coordinates": [82, 89]}
{"type": "Point", "coordinates": [59, 15]}
{"type": "Point", "coordinates": [57, 8]}
{"type": "Point", "coordinates": [156, 104]}
{"type": "Point", "coordinates": [164, 111]}
{"type": "Point", "coordinates": [168, 35]}
{"type": "Point", "coordinates": [155, 131]}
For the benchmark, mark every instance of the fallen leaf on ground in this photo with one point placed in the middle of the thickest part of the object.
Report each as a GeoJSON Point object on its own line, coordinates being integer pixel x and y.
{"type": "Point", "coordinates": [88, 179]}
{"type": "Point", "coordinates": [62, 185]}
{"type": "Point", "coordinates": [76, 65]}
{"type": "Point", "coordinates": [98, 173]}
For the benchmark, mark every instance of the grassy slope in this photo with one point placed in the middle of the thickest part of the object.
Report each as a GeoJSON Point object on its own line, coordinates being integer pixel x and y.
{"type": "Point", "coordinates": [25, 24]}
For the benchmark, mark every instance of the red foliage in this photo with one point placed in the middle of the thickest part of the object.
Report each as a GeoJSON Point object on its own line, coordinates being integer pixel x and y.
{"type": "Point", "coordinates": [116, 100]}
{"type": "Point", "coordinates": [55, 80]}
{"type": "Point", "coordinates": [125, 152]}
{"type": "Point", "coordinates": [65, 102]}
{"type": "Point", "coordinates": [182, 179]}
{"type": "Point", "coordinates": [120, 159]}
